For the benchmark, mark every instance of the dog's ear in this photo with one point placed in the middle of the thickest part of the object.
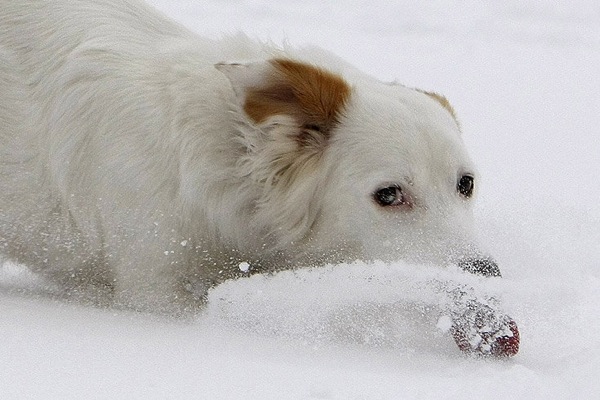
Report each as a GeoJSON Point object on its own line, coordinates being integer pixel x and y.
{"type": "Point", "coordinates": [293, 108]}
{"type": "Point", "coordinates": [443, 102]}
{"type": "Point", "coordinates": [244, 76]}
{"type": "Point", "coordinates": [285, 92]}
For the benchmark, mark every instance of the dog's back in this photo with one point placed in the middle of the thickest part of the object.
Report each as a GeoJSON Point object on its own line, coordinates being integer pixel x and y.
{"type": "Point", "coordinates": [78, 156]}
{"type": "Point", "coordinates": [115, 133]}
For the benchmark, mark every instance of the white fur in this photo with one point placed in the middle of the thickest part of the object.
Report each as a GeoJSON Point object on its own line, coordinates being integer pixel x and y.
{"type": "Point", "coordinates": [127, 163]}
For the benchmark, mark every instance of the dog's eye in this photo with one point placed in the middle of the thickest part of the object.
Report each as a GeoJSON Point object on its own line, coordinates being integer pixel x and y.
{"type": "Point", "coordinates": [465, 186]}
{"type": "Point", "coordinates": [389, 196]}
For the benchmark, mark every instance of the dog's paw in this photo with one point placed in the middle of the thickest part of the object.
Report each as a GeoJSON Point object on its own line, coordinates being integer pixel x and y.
{"type": "Point", "coordinates": [495, 337]}
{"type": "Point", "coordinates": [478, 327]}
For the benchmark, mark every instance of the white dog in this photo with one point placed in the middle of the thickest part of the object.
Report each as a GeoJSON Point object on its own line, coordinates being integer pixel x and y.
{"type": "Point", "coordinates": [142, 160]}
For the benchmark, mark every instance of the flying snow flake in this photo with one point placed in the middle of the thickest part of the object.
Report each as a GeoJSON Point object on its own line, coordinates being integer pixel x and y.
{"type": "Point", "coordinates": [244, 266]}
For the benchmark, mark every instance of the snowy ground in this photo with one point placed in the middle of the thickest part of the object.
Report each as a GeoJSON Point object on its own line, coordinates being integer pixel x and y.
{"type": "Point", "coordinates": [524, 79]}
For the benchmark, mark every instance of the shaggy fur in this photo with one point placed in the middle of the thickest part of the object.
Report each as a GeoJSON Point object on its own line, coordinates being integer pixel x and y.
{"type": "Point", "coordinates": [145, 161]}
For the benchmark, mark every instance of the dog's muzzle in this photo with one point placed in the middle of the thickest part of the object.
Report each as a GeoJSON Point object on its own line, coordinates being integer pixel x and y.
{"type": "Point", "coordinates": [480, 266]}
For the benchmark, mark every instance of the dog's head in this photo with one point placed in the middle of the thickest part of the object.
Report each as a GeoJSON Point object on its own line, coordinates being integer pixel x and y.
{"type": "Point", "coordinates": [359, 169]}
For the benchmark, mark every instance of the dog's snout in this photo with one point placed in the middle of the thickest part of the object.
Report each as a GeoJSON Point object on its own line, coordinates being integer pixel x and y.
{"type": "Point", "coordinates": [480, 266]}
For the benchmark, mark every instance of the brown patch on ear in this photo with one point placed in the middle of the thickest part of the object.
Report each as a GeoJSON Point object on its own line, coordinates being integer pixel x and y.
{"type": "Point", "coordinates": [312, 96]}
{"type": "Point", "coordinates": [443, 101]}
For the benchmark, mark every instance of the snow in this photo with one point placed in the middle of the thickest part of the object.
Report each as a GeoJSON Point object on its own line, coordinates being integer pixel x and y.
{"type": "Point", "coordinates": [244, 266]}
{"type": "Point", "coordinates": [523, 78]}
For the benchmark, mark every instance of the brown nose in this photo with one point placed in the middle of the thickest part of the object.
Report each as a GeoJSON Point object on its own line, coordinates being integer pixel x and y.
{"type": "Point", "coordinates": [480, 266]}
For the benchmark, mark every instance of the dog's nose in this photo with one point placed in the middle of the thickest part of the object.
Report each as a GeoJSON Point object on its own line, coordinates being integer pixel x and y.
{"type": "Point", "coordinates": [480, 266]}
